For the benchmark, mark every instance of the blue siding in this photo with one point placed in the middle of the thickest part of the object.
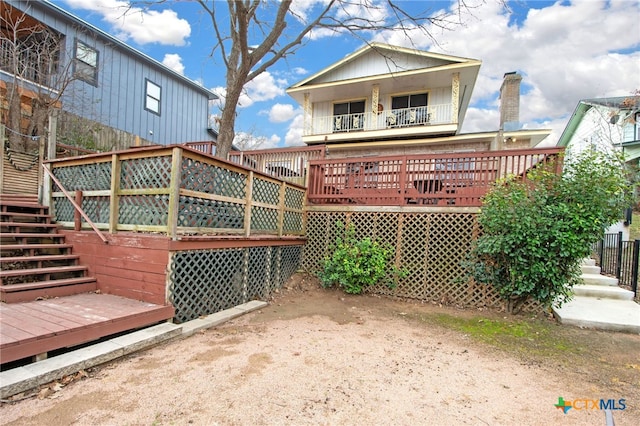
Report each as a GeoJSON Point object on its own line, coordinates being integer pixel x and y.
{"type": "Point", "coordinates": [118, 101]}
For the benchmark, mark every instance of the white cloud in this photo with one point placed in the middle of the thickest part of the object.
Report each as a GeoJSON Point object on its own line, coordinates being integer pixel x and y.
{"type": "Point", "coordinates": [294, 133]}
{"type": "Point", "coordinates": [565, 52]}
{"type": "Point", "coordinates": [140, 25]}
{"type": "Point", "coordinates": [262, 88]}
{"type": "Point", "coordinates": [174, 61]}
{"type": "Point", "coordinates": [280, 113]}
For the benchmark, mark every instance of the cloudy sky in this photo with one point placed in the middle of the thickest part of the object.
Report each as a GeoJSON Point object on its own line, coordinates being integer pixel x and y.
{"type": "Point", "coordinates": [565, 51]}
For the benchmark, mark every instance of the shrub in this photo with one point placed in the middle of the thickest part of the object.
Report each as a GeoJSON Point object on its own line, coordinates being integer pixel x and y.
{"type": "Point", "coordinates": [535, 233]}
{"type": "Point", "coordinates": [356, 264]}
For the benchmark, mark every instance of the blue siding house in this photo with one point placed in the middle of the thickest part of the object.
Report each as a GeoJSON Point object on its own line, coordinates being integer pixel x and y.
{"type": "Point", "coordinates": [113, 84]}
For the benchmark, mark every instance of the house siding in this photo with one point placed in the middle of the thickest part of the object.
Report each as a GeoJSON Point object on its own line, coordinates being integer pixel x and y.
{"type": "Point", "coordinates": [118, 99]}
{"type": "Point", "coordinates": [373, 63]}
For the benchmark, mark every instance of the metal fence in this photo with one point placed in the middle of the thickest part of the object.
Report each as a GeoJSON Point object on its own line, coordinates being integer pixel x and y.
{"type": "Point", "coordinates": [620, 259]}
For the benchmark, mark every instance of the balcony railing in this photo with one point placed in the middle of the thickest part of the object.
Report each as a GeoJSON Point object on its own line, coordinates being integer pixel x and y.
{"type": "Point", "coordinates": [395, 118]}
{"type": "Point", "coordinates": [289, 164]}
{"type": "Point", "coordinates": [455, 179]}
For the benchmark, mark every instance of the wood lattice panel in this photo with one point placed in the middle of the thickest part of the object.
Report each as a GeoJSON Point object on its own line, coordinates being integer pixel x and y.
{"type": "Point", "coordinates": [430, 246]}
{"type": "Point", "coordinates": [203, 282]}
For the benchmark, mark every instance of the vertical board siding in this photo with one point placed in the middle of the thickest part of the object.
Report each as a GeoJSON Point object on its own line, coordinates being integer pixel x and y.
{"type": "Point", "coordinates": [118, 99]}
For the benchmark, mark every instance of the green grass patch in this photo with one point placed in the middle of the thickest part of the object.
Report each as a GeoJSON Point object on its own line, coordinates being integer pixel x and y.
{"type": "Point", "coordinates": [518, 336]}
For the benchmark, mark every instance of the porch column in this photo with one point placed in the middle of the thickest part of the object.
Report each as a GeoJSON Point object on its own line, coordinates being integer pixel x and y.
{"type": "Point", "coordinates": [307, 124]}
{"type": "Point", "coordinates": [455, 96]}
{"type": "Point", "coordinates": [375, 100]}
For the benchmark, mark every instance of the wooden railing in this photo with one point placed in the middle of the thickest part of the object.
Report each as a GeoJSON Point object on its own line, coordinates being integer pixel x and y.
{"type": "Point", "coordinates": [290, 164]}
{"type": "Point", "coordinates": [454, 179]}
{"type": "Point", "coordinates": [174, 190]}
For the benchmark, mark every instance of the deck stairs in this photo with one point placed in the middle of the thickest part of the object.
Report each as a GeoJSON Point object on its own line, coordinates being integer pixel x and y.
{"type": "Point", "coordinates": [599, 303]}
{"type": "Point", "coordinates": [35, 261]}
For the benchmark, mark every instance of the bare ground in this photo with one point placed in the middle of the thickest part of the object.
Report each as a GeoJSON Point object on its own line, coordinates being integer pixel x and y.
{"type": "Point", "coordinates": [317, 356]}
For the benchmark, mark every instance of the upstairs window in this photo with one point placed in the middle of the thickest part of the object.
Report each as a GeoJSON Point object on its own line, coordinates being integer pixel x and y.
{"type": "Point", "coordinates": [86, 63]}
{"type": "Point", "coordinates": [348, 116]}
{"type": "Point", "coordinates": [152, 97]}
{"type": "Point", "coordinates": [409, 110]}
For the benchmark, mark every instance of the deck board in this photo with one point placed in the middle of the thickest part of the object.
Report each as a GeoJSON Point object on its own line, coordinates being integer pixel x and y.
{"type": "Point", "coordinates": [31, 328]}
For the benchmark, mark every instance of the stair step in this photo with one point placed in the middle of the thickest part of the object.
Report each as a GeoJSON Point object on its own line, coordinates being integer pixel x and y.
{"type": "Point", "coordinates": [597, 279]}
{"type": "Point", "coordinates": [42, 258]}
{"type": "Point", "coordinates": [17, 293]}
{"type": "Point", "coordinates": [603, 292]}
{"type": "Point", "coordinates": [589, 262]}
{"type": "Point", "coordinates": [11, 215]}
{"type": "Point", "coordinates": [586, 269]}
{"type": "Point", "coordinates": [14, 247]}
{"type": "Point", "coordinates": [601, 314]}
{"type": "Point", "coordinates": [30, 235]}
{"type": "Point", "coordinates": [29, 225]}
{"type": "Point", "coordinates": [42, 271]}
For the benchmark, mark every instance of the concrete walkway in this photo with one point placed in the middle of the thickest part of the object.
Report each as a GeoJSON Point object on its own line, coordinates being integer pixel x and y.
{"type": "Point", "coordinates": [22, 379]}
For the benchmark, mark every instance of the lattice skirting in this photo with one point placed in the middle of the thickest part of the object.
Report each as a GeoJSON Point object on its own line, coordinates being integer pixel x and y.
{"type": "Point", "coordinates": [431, 246]}
{"type": "Point", "coordinates": [203, 282]}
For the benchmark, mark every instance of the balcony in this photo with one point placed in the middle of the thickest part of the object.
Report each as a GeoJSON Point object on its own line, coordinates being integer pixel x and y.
{"type": "Point", "coordinates": [395, 122]}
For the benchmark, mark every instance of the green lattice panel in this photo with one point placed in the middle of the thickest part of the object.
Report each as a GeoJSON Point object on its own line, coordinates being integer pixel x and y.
{"type": "Point", "coordinates": [292, 222]}
{"type": "Point", "coordinates": [64, 210]}
{"type": "Point", "coordinates": [97, 208]}
{"type": "Point", "coordinates": [264, 219]}
{"type": "Point", "coordinates": [211, 179]}
{"type": "Point", "coordinates": [142, 173]}
{"type": "Point", "coordinates": [204, 282]}
{"type": "Point", "coordinates": [293, 198]}
{"type": "Point", "coordinates": [259, 273]}
{"type": "Point", "coordinates": [85, 177]}
{"type": "Point", "coordinates": [199, 212]}
{"type": "Point", "coordinates": [150, 210]}
{"type": "Point", "coordinates": [266, 191]}
{"type": "Point", "coordinates": [285, 262]}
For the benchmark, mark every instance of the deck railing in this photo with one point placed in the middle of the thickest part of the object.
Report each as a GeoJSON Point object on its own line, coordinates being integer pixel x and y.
{"type": "Point", "coordinates": [453, 179]}
{"type": "Point", "coordinates": [395, 118]}
{"type": "Point", "coordinates": [175, 190]}
{"type": "Point", "coordinates": [290, 164]}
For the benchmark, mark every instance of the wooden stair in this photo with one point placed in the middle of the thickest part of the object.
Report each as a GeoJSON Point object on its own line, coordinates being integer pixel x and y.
{"type": "Point", "coordinates": [35, 262]}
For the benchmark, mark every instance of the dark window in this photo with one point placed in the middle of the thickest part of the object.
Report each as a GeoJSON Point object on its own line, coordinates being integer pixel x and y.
{"type": "Point", "coordinates": [86, 63]}
{"type": "Point", "coordinates": [348, 116]}
{"type": "Point", "coordinates": [409, 110]}
{"type": "Point", "coordinates": [152, 97]}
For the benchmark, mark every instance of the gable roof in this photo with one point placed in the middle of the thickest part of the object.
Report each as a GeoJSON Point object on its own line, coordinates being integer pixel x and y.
{"type": "Point", "coordinates": [55, 10]}
{"type": "Point", "coordinates": [383, 49]}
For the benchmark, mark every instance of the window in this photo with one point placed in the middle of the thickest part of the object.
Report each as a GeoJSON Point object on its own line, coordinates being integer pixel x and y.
{"type": "Point", "coordinates": [409, 110]}
{"type": "Point", "coordinates": [152, 98]}
{"type": "Point", "coordinates": [86, 63]}
{"type": "Point", "coordinates": [348, 116]}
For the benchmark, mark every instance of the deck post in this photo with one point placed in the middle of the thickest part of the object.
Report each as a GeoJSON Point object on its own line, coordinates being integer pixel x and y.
{"type": "Point", "coordinates": [281, 204]}
{"type": "Point", "coordinates": [114, 204]}
{"type": "Point", "coordinates": [248, 204]}
{"type": "Point", "coordinates": [174, 193]}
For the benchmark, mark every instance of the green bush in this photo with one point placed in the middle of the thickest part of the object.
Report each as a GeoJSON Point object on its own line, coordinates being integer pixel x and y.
{"type": "Point", "coordinates": [535, 233]}
{"type": "Point", "coordinates": [356, 264]}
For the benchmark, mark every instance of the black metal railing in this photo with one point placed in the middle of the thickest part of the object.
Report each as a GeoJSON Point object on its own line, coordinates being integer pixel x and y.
{"type": "Point", "coordinates": [620, 259]}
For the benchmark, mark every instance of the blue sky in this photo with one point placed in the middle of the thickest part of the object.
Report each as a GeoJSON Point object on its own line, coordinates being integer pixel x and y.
{"type": "Point", "coordinates": [565, 51]}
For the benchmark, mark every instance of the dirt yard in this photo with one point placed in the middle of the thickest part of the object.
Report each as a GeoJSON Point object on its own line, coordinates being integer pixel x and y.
{"type": "Point", "coordinates": [320, 357]}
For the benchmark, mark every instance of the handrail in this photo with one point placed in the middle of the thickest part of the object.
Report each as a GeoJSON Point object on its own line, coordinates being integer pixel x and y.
{"type": "Point", "coordinates": [75, 205]}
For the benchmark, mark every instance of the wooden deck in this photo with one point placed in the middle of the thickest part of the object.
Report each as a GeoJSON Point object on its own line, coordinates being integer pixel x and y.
{"type": "Point", "coordinates": [32, 328]}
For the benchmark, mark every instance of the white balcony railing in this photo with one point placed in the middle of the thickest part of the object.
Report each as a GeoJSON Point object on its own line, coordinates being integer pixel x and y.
{"type": "Point", "coordinates": [392, 119]}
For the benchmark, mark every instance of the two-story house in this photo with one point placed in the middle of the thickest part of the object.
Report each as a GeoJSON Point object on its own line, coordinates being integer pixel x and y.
{"type": "Point", "coordinates": [606, 124]}
{"type": "Point", "coordinates": [385, 99]}
{"type": "Point", "coordinates": [96, 77]}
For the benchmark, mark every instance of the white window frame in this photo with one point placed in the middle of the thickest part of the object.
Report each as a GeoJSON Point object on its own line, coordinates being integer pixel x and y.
{"type": "Point", "coordinates": [86, 62]}
{"type": "Point", "coordinates": [152, 97]}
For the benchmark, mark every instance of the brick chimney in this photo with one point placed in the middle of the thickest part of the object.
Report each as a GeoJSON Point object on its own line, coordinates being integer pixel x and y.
{"type": "Point", "coordinates": [510, 102]}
